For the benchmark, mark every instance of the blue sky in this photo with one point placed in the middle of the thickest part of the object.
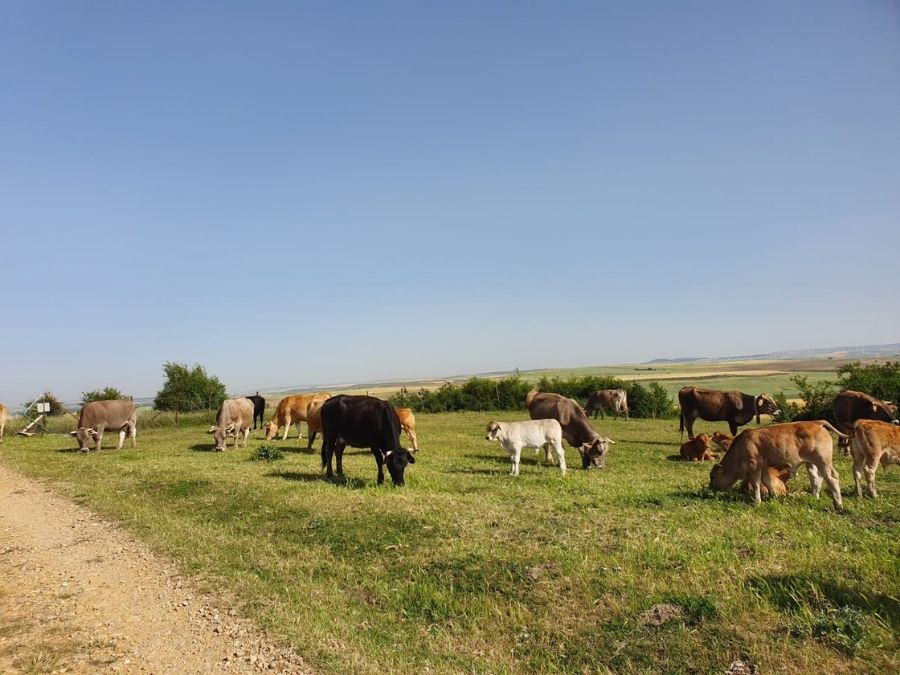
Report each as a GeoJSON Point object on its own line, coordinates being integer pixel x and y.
{"type": "Point", "coordinates": [306, 192]}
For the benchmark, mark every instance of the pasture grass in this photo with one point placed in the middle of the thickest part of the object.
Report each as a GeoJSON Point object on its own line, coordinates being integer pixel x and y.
{"type": "Point", "coordinates": [467, 569]}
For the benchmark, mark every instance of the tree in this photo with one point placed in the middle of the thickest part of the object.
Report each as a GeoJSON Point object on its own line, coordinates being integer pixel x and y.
{"type": "Point", "coordinates": [187, 389]}
{"type": "Point", "coordinates": [881, 380]}
{"type": "Point", "coordinates": [56, 408]}
{"type": "Point", "coordinates": [107, 394]}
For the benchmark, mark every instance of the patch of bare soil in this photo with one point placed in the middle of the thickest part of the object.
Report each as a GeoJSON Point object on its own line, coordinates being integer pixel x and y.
{"type": "Point", "coordinates": [80, 595]}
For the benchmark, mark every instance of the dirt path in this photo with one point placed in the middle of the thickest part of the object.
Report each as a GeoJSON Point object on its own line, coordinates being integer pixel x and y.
{"type": "Point", "coordinates": [80, 595]}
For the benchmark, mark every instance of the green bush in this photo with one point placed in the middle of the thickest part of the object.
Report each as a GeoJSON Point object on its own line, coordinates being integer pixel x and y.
{"type": "Point", "coordinates": [879, 380]}
{"type": "Point", "coordinates": [508, 393]}
{"type": "Point", "coordinates": [107, 394]}
{"type": "Point", "coordinates": [56, 407]}
{"type": "Point", "coordinates": [189, 389]}
{"type": "Point", "coordinates": [818, 400]}
{"type": "Point", "coordinates": [267, 453]}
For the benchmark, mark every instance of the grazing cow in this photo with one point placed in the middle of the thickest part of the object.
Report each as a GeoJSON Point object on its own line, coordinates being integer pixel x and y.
{"type": "Point", "coordinates": [714, 405]}
{"type": "Point", "coordinates": [233, 419]}
{"type": "Point", "coordinates": [576, 427]}
{"type": "Point", "coordinates": [363, 422]}
{"type": "Point", "coordinates": [780, 446]}
{"type": "Point", "coordinates": [850, 406]}
{"type": "Point", "coordinates": [2, 420]}
{"type": "Point", "coordinates": [408, 424]}
{"type": "Point", "coordinates": [601, 400]}
{"type": "Point", "coordinates": [291, 410]}
{"type": "Point", "coordinates": [98, 416]}
{"type": "Point", "coordinates": [259, 409]}
{"type": "Point", "coordinates": [873, 443]}
{"type": "Point", "coordinates": [537, 434]}
{"type": "Point", "coordinates": [697, 449]}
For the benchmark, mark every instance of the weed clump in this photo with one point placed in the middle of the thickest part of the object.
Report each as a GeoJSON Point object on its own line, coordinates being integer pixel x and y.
{"type": "Point", "coordinates": [267, 453]}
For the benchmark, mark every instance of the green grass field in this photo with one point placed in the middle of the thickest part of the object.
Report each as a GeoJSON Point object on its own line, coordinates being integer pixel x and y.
{"type": "Point", "coordinates": [469, 570]}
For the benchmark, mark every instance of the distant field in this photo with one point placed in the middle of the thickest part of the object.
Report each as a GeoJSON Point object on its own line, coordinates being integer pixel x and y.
{"type": "Point", "coordinates": [469, 570]}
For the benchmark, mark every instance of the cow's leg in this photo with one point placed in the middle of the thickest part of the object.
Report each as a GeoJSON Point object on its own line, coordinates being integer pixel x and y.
{"type": "Point", "coordinates": [327, 452]}
{"type": "Point", "coordinates": [299, 429]}
{"type": "Point", "coordinates": [122, 433]}
{"type": "Point", "coordinates": [561, 456]}
{"type": "Point", "coordinates": [815, 480]}
{"type": "Point", "coordinates": [733, 428]}
{"type": "Point", "coordinates": [831, 478]}
{"type": "Point", "coordinates": [858, 464]}
{"type": "Point", "coordinates": [132, 429]}
{"type": "Point", "coordinates": [246, 435]}
{"type": "Point", "coordinates": [755, 478]}
{"type": "Point", "coordinates": [339, 455]}
{"type": "Point", "coordinates": [626, 414]}
{"type": "Point", "coordinates": [312, 437]}
{"type": "Point", "coordinates": [515, 456]}
{"type": "Point", "coordinates": [869, 468]}
{"type": "Point", "coordinates": [548, 456]}
{"type": "Point", "coordinates": [287, 427]}
{"type": "Point", "coordinates": [689, 425]}
{"type": "Point", "coordinates": [379, 460]}
{"type": "Point", "coordinates": [98, 440]}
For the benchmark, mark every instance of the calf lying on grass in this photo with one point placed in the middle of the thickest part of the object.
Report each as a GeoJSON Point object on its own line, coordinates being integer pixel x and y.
{"type": "Point", "coordinates": [537, 434]}
{"type": "Point", "coordinates": [873, 443]}
{"type": "Point", "coordinates": [788, 445]}
{"type": "Point", "coordinates": [697, 450]}
{"type": "Point", "coordinates": [777, 476]}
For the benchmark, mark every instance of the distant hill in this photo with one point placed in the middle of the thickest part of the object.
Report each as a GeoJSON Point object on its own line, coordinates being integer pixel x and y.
{"type": "Point", "coordinates": [861, 351]}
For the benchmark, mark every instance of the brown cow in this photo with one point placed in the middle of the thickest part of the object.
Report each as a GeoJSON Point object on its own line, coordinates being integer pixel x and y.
{"type": "Point", "coordinates": [714, 405]}
{"type": "Point", "coordinates": [873, 443]}
{"type": "Point", "coordinates": [607, 399]}
{"type": "Point", "coordinates": [697, 450]}
{"type": "Point", "coordinates": [577, 429]}
{"type": "Point", "coordinates": [98, 416]}
{"type": "Point", "coordinates": [408, 424]}
{"type": "Point", "coordinates": [291, 410]}
{"type": "Point", "coordinates": [780, 445]}
{"type": "Point", "coordinates": [850, 406]}
{"type": "Point", "coordinates": [2, 420]}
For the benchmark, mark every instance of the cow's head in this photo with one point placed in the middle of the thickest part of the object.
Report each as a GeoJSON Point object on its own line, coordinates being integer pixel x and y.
{"type": "Point", "coordinates": [84, 435]}
{"type": "Point", "coordinates": [765, 405]}
{"type": "Point", "coordinates": [396, 461]}
{"type": "Point", "coordinates": [271, 429]}
{"type": "Point", "coordinates": [720, 479]}
{"type": "Point", "coordinates": [493, 429]}
{"type": "Point", "coordinates": [884, 411]}
{"type": "Point", "coordinates": [722, 440]}
{"type": "Point", "coordinates": [594, 452]}
{"type": "Point", "coordinates": [220, 436]}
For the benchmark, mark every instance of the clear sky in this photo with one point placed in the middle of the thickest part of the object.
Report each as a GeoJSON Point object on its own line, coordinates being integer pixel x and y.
{"type": "Point", "coordinates": [322, 192]}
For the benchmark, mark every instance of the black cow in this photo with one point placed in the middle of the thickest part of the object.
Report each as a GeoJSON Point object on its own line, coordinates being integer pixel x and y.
{"type": "Point", "coordinates": [363, 422]}
{"type": "Point", "coordinates": [259, 408]}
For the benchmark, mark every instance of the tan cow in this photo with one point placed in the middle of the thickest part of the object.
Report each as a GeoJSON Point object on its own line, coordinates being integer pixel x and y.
{"type": "Point", "coordinates": [780, 445]}
{"type": "Point", "coordinates": [291, 410]}
{"type": "Point", "coordinates": [235, 417]}
{"type": "Point", "coordinates": [697, 450]}
{"type": "Point", "coordinates": [778, 476]}
{"type": "Point", "coordinates": [408, 424]}
{"type": "Point", "coordinates": [2, 420]}
{"type": "Point", "coordinates": [873, 443]}
{"type": "Point", "coordinates": [98, 416]}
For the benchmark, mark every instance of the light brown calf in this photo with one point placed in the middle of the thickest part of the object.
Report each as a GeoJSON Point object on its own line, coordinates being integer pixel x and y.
{"type": "Point", "coordinates": [408, 423]}
{"type": "Point", "coordinates": [291, 410]}
{"type": "Point", "coordinates": [697, 449]}
{"type": "Point", "coordinates": [873, 443]}
{"type": "Point", "coordinates": [778, 476]}
{"type": "Point", "coordinates": [780, 446]}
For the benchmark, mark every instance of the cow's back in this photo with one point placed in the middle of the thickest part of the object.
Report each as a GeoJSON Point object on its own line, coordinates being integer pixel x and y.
{"type": "Point", "coordinates": [237, 411]}
{"type": "Point", "coordinates": [114, 413]}
{"type": "Point", "coordinates": [850, 406]}
{"type": "Point", "coordinates": [361, 421]}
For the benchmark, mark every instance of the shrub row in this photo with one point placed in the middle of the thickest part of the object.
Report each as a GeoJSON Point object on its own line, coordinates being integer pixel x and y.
{"type": "Point", "coordinates": [479, 394]}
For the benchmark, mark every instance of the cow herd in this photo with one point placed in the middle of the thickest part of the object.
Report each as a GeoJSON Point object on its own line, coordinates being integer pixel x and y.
{"type": "Point", "coordinates": [763, 459]}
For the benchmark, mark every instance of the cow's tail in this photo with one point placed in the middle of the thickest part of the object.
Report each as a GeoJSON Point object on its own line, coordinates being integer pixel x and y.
{"type": "Point", "coordinates": [827, 425]}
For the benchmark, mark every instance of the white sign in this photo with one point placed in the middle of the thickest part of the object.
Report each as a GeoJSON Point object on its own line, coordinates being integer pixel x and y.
{"type": "Point", "coordinates": [43, 407]}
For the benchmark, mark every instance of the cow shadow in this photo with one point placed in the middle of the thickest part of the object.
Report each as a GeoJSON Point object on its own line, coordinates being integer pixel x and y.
{"type": "Point", "coordinates": [534, 459]}
{"type": "Point", "coordinates": [707, 494]}
{"type": "Point", "coordinates": [480, 472]}
{"type": "Point", "coordinates": [318, 477]}
{"type": "Point", "coordinates": [202, 447]}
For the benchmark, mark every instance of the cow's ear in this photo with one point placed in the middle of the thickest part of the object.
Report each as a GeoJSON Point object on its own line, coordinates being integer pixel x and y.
{"type": "Point", "coordinates": [92, 432]}
{"type": "Point", "coordinates": [410, 458]}
{"type": "Point", "coordinates": [562, 409]}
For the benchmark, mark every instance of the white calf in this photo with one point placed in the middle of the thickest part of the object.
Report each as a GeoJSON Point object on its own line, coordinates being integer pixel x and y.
{"type": "Point", "coordinates": [535, 434]}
